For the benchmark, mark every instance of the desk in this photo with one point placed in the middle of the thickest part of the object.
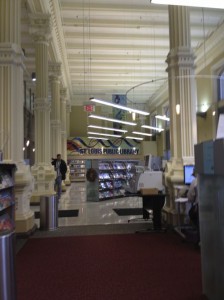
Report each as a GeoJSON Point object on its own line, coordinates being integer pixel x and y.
{"type": "Point", "coordinates": [155, 202]}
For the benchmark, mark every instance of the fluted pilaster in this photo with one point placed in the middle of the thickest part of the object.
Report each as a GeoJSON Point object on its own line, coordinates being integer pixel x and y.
{"type": "Point", "coordinates": [63, 93]}
{"type": "Point", "coordinates": [40, 29]}
{"type": "Point", "coordinates": [68, 112]}
{"type": "Point", "coordinates": [55, 74]}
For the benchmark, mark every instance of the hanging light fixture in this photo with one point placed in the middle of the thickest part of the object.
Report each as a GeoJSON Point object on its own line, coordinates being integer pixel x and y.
{"type": "Point", "coordinates": [97, 138]}
{"type": "Point", "coordinates": [153, 128]}
{"type": "Point", "coordinates": [107, 128]}
{"type": "Point", "coordinates": [142, 133]}
{"type": "Point", "coordinates": [134, 138]}
{"type": "Point", "coordinates": [103, 134]}
{"type": "Point", "coordinates": [112, 120]}
{"type": "Point", "coordinates": [196, 3]}
{"type": "Point", "coordinates": [131, 110]}
{"type": "Point", "coordinates": [165, 118]}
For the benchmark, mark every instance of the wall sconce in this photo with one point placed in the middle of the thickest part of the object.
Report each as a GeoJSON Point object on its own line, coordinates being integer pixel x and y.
{"type": "Point", "coordinates": [34, 76]}
{"type": "Point", "coordinates": [27, 143]}
{"type": "Point", "coordinates": [178, 109]}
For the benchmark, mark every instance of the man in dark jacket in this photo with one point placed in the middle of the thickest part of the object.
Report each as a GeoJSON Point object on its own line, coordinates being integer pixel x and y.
{"type": "Point", "coordinates": [61, 169]}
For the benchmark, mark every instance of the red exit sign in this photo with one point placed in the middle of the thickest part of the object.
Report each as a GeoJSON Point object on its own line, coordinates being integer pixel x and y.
{"type": "Point", "coordinates": [89, 108]}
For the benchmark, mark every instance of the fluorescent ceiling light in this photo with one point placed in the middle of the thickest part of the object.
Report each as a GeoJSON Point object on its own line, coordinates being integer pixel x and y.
{"type": "Point", "coordinates": [197, 3]}
{"type": "Point", "coordinates": [162, 117]}
{"type": "Point", "coordinates": [134, 138]}
{"type": "Point", "coordinates": [97, 138]}
{"type": "Point", "coordinates": [107, 128]}
{"type": "Point", "coordinates": [104, 134]}
{"type": "Point", "coordinates": [112, 120]}
{"type": "Point", "coordinates": [131, 110]}
{"type": "Point", "coordinates": [142, 133]}
{"type": "Point", "coordinates": [151, 127]}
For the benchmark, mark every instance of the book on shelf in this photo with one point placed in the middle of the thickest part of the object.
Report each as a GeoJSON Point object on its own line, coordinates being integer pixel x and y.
{"type": "Point", "coordinates": [6, 223]}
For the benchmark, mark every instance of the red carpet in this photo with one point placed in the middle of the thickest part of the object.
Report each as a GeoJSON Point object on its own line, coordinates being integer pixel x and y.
{"type": "Point", "coordinates": [109, 267]}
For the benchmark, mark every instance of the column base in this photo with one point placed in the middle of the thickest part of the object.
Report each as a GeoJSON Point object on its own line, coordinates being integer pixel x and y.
{"type": "Point", "coordinates": [26, 225]}
{"type": "Point", "coordinates": [44, 178]}
{"type": "Point", "coordinates": [34, 200]}
{"type": "Point", "coordinates": [170, 216]}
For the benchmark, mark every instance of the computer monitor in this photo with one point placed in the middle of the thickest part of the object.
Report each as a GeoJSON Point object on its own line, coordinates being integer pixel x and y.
{"type": "Point", "coordinates": [188, 171]}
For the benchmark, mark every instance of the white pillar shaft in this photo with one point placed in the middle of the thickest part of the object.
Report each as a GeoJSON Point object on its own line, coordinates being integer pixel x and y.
{"type": "Point", "coordinates": [68, 111]}
{"type": "Point", "coordinates": [182, 88]}
{"type": "Point", "coordinates": [11, 108]}
{"type": "Point", "coordinates": [10, 16]}
{"type": "Point", "coordinates": [42, 105]}
{"type": "Point", "coordinates": [55, 138]}
{"type": "Point", "coordinates": [11, 102]}
{"type": "Point", "coordinates": [63, 129]}
{"type": "Point", "coordinates": [43, 171]}
{"type": "Point", "coordinates": [55, 117]}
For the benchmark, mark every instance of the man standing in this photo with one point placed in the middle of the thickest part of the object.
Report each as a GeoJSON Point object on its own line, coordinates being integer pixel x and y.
{"type": "Point", "coordinates": [61, 169]}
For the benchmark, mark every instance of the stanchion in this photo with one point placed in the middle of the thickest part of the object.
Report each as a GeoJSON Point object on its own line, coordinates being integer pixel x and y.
{"type": "Point", "coordinates": [48, 212]}
{"type": "Point", "coordinates": [7, 266]}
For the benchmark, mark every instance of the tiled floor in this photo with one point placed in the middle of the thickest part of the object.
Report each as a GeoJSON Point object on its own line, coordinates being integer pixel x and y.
{"type": "Point", "coordinates": [93, 213]}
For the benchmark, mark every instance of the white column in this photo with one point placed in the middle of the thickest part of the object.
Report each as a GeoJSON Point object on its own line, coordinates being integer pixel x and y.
{"type": "Point", "coordinates": [43, 171]}
{"type": "Point", "coordinates": [63, 92]}
{"type": "Point", "coordinates": [11, 109]}
{"type": "Point", "coordinates": [182, 91]}
{"type": "Point", "coordinates": [55, 74]}
{"type": "Point", "coordinates": [68, 112]}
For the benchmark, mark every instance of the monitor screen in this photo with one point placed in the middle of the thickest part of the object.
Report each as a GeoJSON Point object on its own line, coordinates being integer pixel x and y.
{"type": "Point", "coordinates": [188, 171]}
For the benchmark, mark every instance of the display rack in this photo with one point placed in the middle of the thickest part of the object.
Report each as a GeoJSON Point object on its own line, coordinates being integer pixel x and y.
{"type": "Point", "coordinates": [7, 199]}
{"type": "Point", "coordinates": [77, 170]}
{"type": "Point", "coordinates": [7, 232]}
{"type": "Point", "coordinates": [113, 177]}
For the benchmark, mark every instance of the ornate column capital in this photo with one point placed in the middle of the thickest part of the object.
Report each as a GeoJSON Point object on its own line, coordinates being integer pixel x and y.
{"type": "Point", "coordinates": [40, 27]}
{"type": "Point", "coordinates": [54, 69]}
{"type": "Point", "coordinates": [68, 106]}
{"type": "Point", "coordinates": [11, 54]}
{"type": "Point", "coordinates": [63, 92]}
{"type": "Point", "coordinates": [41, 104]}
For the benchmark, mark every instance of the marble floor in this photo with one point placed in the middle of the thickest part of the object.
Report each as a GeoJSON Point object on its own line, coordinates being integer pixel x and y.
{"type": "Point", "coordinates": [93, 213]}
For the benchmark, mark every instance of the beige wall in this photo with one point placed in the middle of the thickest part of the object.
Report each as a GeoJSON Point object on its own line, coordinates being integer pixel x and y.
{"type": "Point", "coordinates": [149, 147]}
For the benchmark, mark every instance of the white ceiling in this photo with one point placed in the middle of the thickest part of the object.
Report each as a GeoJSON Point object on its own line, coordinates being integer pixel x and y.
{"type": "Point", "coordinates": [108, 47]}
